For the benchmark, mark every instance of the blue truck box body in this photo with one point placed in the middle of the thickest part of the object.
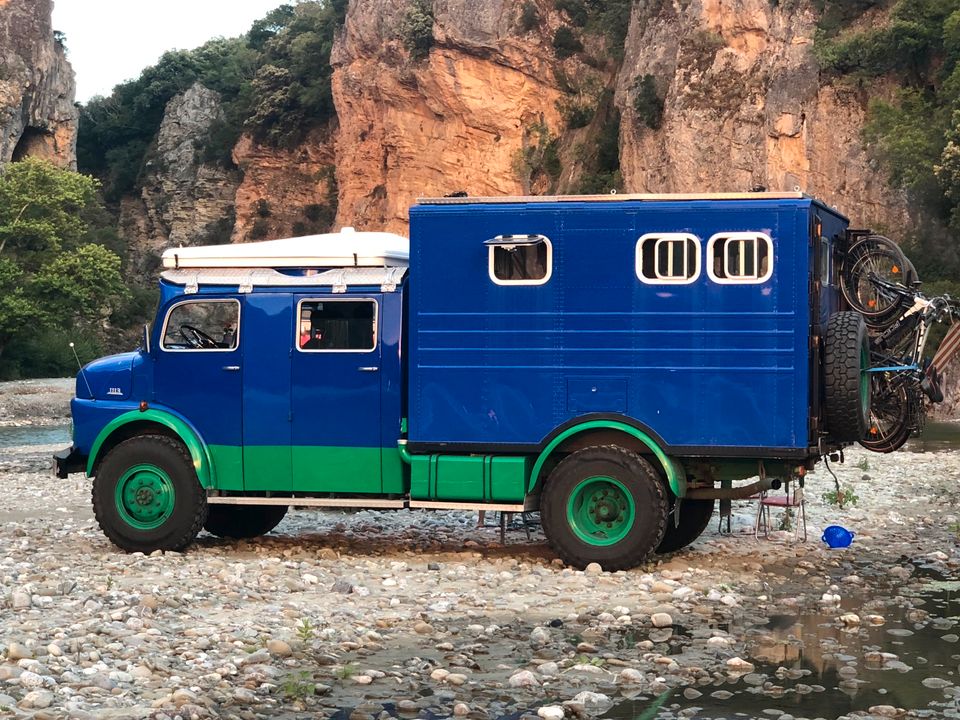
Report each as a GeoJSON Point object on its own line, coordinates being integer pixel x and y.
{"type": "Point", "coordinates": [705, 368]}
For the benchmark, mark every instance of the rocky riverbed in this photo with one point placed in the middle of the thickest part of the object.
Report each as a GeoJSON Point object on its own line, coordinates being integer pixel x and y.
{"type": "Point", "coordinates": [416, 614]}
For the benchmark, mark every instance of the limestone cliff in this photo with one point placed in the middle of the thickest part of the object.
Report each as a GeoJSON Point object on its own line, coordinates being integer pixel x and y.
{"type": "Point", "coordinates": [743, 106]}
{"type": "Point", "coordinates": [285, 191]}
{"type": "Point", "coordinates": [455, 120]}
{"type": "Point", "coordinates": [183, 199]}
{"type": "Point", "coordinates": [37, 114]}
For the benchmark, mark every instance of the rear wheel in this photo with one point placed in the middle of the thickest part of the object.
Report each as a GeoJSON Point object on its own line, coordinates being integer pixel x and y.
{"type": "Point", "coordinates": [846, 363]}
{"type": "Point", "coordinates": [146, 495]}
{"type": "Point", "coordinates": [605, 505]}
{"type": "Point", "coordinates": [694, 517]}
{"type": "Point", "coordinates": [879, 257]}
{"type": "Point", "coordinates": [241, 522]}
{"type": "Point", "coordinates": [889, 426]}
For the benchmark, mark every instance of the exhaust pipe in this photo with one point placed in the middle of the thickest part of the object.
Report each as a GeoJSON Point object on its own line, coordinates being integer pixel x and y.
{"type": "Point", "coordinates": [737, 493]}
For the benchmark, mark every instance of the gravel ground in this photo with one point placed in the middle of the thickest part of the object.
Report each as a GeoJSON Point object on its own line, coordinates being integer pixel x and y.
{"type": "Point", "coordinates": [405, 614]}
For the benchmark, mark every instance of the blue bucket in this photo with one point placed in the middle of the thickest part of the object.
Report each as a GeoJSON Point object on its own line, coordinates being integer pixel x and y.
{"type": "Point", "coordinates": [837, 537]}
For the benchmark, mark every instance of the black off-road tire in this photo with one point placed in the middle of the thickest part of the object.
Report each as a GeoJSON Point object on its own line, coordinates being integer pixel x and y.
{"type": "Point", "coordinates": [646, 489]}
{"type": "Point", "coordinates": [846, 356]}
{"type": "Point", "coordinates": [242, 522]}
{"type": "Point", "coordinates": [190, 500]}
{"type": "Point", "coordinates": [694, 517]}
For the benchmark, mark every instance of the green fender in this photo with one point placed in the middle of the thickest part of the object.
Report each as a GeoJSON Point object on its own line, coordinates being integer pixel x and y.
{"type": "Point", "coordinates": [676, 477]}
{"type": "Point", "coordinates": [198, 450]}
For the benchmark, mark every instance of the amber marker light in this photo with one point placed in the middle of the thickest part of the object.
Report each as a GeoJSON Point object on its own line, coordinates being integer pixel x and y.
{"type": "Point", "coordinates": [143, 406]}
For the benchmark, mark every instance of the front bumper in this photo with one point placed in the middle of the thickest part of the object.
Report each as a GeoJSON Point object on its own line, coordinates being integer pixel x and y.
{"type": "Point", "coordinates": [69, 460]}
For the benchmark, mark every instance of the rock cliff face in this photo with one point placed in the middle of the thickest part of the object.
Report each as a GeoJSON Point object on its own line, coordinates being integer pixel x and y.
{"type": "Point", "coordinates": [455, 120]}
{"type": "Point", "coordinates": [744, 107]}
{"type": "Point", "coordinates": [183, 200]}
{"type": "Point", "coordinates": [37, 114]}
{"type": "Point", "coordinates": [285, 192]}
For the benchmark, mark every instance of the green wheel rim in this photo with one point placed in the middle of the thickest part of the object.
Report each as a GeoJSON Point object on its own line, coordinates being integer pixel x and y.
{"type": "Point", "coordinates": [600, 510]}
{"type": "Point", "coordinates": [144, 497]}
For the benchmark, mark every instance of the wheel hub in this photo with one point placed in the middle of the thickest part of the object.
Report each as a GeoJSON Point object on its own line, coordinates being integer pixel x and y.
{"type": "Point", "coordinates": [144, 497]}
{"type": "Point", "coordinates": [600, 510]}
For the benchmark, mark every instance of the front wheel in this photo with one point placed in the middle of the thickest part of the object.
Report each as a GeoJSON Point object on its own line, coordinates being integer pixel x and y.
{"type": "Point", "coordinates": [146, 495]}
{"type": "Point", "coordinates": [605, 505]}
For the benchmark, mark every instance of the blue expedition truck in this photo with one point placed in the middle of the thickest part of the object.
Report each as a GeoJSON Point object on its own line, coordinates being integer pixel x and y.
{"type": "Point", "coordinates": [615, 362]}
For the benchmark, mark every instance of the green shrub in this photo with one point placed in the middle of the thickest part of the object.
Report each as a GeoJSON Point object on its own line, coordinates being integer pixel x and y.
{"type": "Point", "coordinates": [566, 43]}
{"type": "Point", "coordinates": [647, 102]}
{"type": "Point", "coordinates": [260, 229]}
{"type": "Point", "coordinates": [529, 17]}
{"type": "Point", "coordinates": [416, 29]}
{"type": "Point", "coordinates": [575, 10]}
{"type": "Point", "coordinates": [576, 112]}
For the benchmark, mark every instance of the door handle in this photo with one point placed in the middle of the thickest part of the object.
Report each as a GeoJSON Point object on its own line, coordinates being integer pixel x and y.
{"type": "Point", "coordinates": [368, 369]}
{"type": "Point", "coordinates": [231, 368]}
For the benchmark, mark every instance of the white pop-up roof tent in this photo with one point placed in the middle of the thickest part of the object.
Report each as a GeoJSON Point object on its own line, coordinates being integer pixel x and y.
{"type": "Point", "coordinates": [346, 248]}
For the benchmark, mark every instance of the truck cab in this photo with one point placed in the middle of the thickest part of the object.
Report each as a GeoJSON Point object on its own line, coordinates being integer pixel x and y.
{"type": "Point", "coordinates": [615, 363]}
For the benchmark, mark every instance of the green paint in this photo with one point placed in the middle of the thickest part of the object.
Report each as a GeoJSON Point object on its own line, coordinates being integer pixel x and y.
{"type": "Point", "coordinates": [144, 497]}
{"type": "Point", "coordinates": [268, 468]}
{"type": "Point", "coordinates": [460, 477]}
{"type": "Point", "coordinates": [600, 510]}
{"type": "Point", "coordinates": [508, 477]}
{"type": "Point", "coordinates": [676, 478]}
{"type": "Point", "coordinates": [228, 461]}
{"type": "Point", "coordinates": [324, 469]}
{"type": "Point", "coordinates": [198, 451]}
{"type": "Point", "coordinates": [394, 472]}
{"type": "Point", "coordinates": [335, 469]}
{"type": "Point", "coordinates": [482, 478]}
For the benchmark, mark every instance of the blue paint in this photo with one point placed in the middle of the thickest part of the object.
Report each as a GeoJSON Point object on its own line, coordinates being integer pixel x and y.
{"type": "Point", "coordinates": [485, 367]}
{"type": "Point", "coordinates": [704, 364]}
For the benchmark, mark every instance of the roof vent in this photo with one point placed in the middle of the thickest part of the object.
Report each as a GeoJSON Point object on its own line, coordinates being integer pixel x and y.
{"type": "Point", "coordinates": [347, 229]}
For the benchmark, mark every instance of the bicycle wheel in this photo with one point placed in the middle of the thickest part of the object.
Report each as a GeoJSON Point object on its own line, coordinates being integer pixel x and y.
{"type": "Point", "coordinates": [869, 258]}
{"type": "Point", "coordinates": [889, 425]}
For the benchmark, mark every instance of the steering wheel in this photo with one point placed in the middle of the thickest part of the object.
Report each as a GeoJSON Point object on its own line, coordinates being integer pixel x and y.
{"type": "Point", "coordinates": [197, 338]}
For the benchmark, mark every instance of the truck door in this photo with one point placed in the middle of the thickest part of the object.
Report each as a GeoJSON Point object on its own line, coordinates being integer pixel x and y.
{"type": "Point", "coordinates": [335, 394]}
{"type": "Point", "coordinates": [268, 331]}
{"type": "Point", "coordinates": [198, 374]}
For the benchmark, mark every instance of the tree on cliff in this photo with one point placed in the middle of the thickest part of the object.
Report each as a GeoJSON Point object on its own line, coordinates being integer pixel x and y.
{"type": "Point", "coordinates": [53, 279]}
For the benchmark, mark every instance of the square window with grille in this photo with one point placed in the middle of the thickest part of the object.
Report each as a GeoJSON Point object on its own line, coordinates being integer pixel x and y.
{"type": "Point", "coordinates": [740, 257]}
{"type": "Point", "coordinates": [668, 258]}
{"type": "Point", "coordinates": [520, 259]}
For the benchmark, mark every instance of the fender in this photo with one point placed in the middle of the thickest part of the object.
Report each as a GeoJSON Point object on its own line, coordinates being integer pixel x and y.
{"type": "Point", "coordinates": [674, 472]}
{"type": "Point", "coordinates": [202, 462]}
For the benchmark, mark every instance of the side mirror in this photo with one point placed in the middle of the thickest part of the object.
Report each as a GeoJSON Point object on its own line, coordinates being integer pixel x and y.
{"type": "Point", "coordinates": [145, 339]}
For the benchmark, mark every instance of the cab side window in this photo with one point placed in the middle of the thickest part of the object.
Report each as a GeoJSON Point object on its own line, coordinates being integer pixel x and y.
{"type": "Point", "coordinates": [202, 325]}
{"type": "Point", "coordinates": [337, 325]}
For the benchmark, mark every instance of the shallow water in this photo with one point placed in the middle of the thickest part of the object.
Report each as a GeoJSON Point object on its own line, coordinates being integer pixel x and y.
{"type": "Point", "coordinates": [35, 435]}
{"type": "Point", "coordinates": [936, 436]}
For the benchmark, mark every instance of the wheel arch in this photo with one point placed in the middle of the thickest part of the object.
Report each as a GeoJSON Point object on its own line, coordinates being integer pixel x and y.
{"type": "Point", "coordinates": [608, 431]}
{"type": "Point", "coordinates": [157, 422]}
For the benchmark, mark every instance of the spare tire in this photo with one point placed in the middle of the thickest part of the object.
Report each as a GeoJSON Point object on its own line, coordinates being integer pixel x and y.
{"type": "Point", "coordinates": [846, 360]}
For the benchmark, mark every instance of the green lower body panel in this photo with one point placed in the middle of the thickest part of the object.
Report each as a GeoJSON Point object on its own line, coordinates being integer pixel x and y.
{"type": "Point", "coordinates": [337, 469]}
{"type": "Point", "coordinates": [480, 478]}
{"type": "Point", "coordinates": [227, 466]}
{"type": "Point", "coordinates": [313, 469]}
